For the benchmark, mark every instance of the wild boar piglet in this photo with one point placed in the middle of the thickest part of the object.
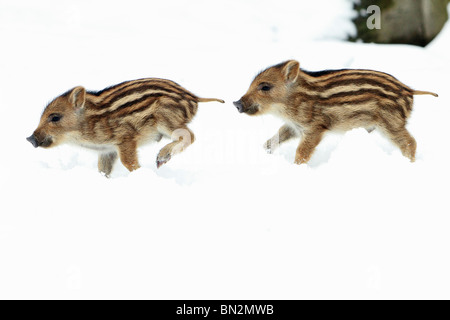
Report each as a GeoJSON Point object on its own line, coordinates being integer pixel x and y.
{"type": "Point", "coordinates": [119, 119]}
{"type": "Point", "coordinates": [312, 103]}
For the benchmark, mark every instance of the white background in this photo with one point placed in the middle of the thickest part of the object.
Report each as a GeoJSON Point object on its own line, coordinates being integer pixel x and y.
{"type": "Point", "coordinates": [223, 220]}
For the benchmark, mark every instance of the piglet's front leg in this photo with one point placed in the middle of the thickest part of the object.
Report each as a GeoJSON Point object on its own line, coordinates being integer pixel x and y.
{"type": "Point", "coordinates": [128, 155]}
{"type": "Point", "coordinates": [310, 141]}
{"type": "Point", "coordinates": [285, 134]}
{"type": "Point", "coordinates": [106, 162]}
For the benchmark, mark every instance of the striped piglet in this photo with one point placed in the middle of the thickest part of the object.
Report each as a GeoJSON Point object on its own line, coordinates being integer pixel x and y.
{"type": "Point", "coordinates": [119, 119]}
{"type": "Point", "coordinates": [312, 103]}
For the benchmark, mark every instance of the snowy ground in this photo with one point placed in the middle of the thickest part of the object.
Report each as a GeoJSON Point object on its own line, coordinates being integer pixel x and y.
{"type": "Point", "coordinates": [223, 220]}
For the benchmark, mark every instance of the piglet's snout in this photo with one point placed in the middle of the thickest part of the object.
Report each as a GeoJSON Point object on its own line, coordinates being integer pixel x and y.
{"type": "Point", "coordinates": [32, 139]}
{"type": "Point", "coordinates": [239, 106]}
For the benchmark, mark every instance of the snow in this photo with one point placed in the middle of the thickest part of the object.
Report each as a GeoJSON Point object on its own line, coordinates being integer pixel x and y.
{"type": "Point", "coordinates": [223, 220]}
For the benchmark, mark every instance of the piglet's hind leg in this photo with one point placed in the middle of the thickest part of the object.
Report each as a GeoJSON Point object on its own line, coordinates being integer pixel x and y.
{"type": "Point", "coordinates": [182, 138]}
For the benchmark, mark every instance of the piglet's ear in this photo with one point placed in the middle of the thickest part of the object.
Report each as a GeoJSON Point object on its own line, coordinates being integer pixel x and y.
{"type": "Point", "coordinates": [291, 70]}
{"type": "Point", "coordinates": [78, 97]}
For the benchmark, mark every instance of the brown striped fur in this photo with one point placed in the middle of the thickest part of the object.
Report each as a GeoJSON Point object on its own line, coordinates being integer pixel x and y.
{"type": "Point", "coordinates": [313, 103]}
{"type": "Point", "coordinates": [119, 119]}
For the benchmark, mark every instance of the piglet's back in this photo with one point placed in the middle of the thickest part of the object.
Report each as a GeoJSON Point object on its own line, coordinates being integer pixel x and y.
{"type": "Point", "coordinates": [130, 107]}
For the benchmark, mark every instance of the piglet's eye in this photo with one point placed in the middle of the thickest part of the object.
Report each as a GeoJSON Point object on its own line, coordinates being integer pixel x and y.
{"type": "Point", "coordinates": [55, 118]}
{"type": "Point", "coordinates": [265, 87]}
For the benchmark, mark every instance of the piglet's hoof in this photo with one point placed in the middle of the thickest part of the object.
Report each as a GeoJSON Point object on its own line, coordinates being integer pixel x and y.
{"type": "Point", "coordinates": [162, 160]}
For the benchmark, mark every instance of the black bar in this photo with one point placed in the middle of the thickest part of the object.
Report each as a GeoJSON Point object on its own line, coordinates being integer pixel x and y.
{"type": "Point", "coordinates": [227, 309]}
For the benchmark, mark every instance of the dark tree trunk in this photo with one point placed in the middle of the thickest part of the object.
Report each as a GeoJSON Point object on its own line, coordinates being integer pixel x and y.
{"type": "Point", "coordinates": [414, 22]}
